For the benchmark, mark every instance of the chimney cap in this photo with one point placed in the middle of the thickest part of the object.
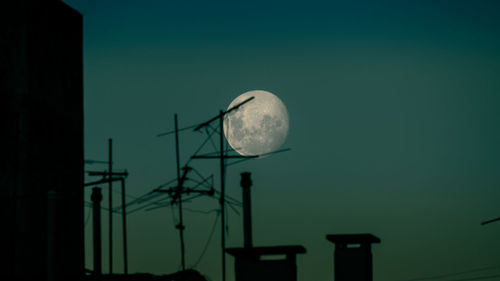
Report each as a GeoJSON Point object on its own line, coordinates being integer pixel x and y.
{"type": "Point", "coordinates": [364, 238]}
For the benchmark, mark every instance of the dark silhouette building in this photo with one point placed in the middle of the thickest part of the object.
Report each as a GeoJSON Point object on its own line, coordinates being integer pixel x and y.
{"type": "Point", "coordinates": [261, 263]}
{"type": "Point", "coordinates": [185, 275]}
{"type": "Point", "coordinates": [353, 256]}
{"type": "Point", "coordinates": [266, 263]}
{"type": "Point", "coordinates": [41, 170]}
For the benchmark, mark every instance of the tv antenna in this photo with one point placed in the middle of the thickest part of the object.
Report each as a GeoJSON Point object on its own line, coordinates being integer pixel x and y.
{"type": "Point", "coordinates": [222, 155]}
{"type": "Point", "coordinates": [109, 176]}
{"type": "Point", "coordinates": [490, 221]}
{"type": "Point", "coordinates": [175, 193]}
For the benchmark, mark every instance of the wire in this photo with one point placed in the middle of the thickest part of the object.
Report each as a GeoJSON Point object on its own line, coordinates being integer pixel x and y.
{"type": "Point", "coordinates": [202, 183]}
{"type": "Point", "coordinates": [165, 184]}
{"type": "Point", "coordinates": [179, 130]}
{"type": "Point", "coordinates": [238, 161]}
{"type": "Point", "coordinates": [455, 274]}
{"type": "Point", "coordinates": [208, 241]}
{"type": "Point", "coordinates": [143, 199]}
{"type": "Point", "coordinates": [198, 173]}
{"type": "Point", "coordinates": [200, 147]}
{"type": "Point", "coordinates": [147, 205]}
{"type": "Point", "coordinates": [229, 199]}
{"type": "Point", "coordinates": [479, 278]}
{"type": "Point", "coordinates": [187, 200]}
{"type": "Point", "coordinates": [126, 194]}
{"type": "Point", "coordinates": [490, 221]}
{"type": "Point", "coordinates": [233, 208]}
{"type": "Point", "coordinates": [87, 219]}
{"type": "Point", "coordinates": [90, 205]}
{"type": "Point", "coordinates": [211, 140]}
{"type": "Point", "coordinates": [201, 211]}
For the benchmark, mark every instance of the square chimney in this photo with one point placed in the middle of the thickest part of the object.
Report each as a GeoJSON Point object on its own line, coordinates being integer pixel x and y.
{"type": "Point", "coordinates": [353, 256]}
{"type": "Point", "coordinates": [266, 263]}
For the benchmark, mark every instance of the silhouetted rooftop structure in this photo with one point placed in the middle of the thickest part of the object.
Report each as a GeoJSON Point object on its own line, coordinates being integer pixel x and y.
{"type": "Point", "coordinates": [187, 275]}
{"type": "Point", "coordinates": [353, 256]}
{"type": "Point", "coordinates": [261, 263]}
{"type": "Point", "coordinates": [352, 238]}
{"type": "Point", "coordinates": [272, 250]}
{"type": "Point", "coordinates": [41, 172]}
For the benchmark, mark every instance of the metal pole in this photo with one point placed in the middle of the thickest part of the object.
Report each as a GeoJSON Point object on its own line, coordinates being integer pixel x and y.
{"type": "Point", "coordinates": [246, 183]}
{"type": "Point", "coordinates": [51, 235]}
{"type": "Point", "coordinates": [180, 226]}
{"type": "Point", "coordinates": [222, 194]}
{"type": "Point", "coordinates": [96, 228]}
{"type": "Point", "coordinates": [110, 160]}
{"type": "Point", "coordinates": [124, 224]}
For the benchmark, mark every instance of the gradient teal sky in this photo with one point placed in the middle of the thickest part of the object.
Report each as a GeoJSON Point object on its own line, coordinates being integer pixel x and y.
{"type": "Point", "coordinates": [394, 124]}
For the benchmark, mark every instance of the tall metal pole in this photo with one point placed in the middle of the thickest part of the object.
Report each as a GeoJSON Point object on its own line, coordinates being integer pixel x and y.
{"type": "Point", "coordinates": [222, 194]}
{"type": "Point", "coordinates": [246, 183]}
{"type": "Point", "coordinates": [221, 157]}
{"type": "Point", "coordinates": [124, 224]}
{"type": "Point", "coordinates": [51, 235]}
{"type": "Point", "coordinates": [96, 229]}
{"type": "Point", "coordinates": [180, 226]}
{"type": "Point", "coordinates": [110, 196]}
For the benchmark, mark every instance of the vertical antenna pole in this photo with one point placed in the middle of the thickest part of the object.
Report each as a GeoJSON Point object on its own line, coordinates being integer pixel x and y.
{"type": "Point", "coordinates": [222, 194]}
{"type": "Point", "coordinates": [96, 229]}
{"type": "Point", "coordinates": [110, 168]}
{"type": "Point", "coordinates": [180, 226]}
{"type": "Point", "coordinates": [246, 183]}
{"type": "Point", "coordinates": [124, 225]}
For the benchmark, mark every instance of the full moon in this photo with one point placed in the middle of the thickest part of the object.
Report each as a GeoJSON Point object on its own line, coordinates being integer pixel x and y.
{"type": "Point", "coordinates": [257, 127]}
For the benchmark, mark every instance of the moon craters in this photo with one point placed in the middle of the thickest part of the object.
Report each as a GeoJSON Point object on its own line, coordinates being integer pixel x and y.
{"type": "Point", "coordinates": [258, 127]}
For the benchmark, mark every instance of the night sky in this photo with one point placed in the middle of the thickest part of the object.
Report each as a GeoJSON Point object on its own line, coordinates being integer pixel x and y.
{"type": "Point", "coordinates": [394, 126]}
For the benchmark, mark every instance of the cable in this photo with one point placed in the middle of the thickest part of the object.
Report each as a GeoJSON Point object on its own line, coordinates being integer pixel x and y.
{"type": "Point", "coordinates": [90, 205]}
{"type": "Point", "coordinates": [228, 198]}
{"type": "Point", "coordinates": [198, 173]}
{"type": "Point", "coordinates": [454, 274]}
{"type": "Point", "coordinates": [126, 194]}
{"type": "Point", "coordinates": [479, 278]}
{"type": "Point", "coordinates": [201, 211]}
{"type": "Point", "coordinates": [211, 140]}
{"type": "Point", "coordinates": [146, 205]}
{"type": "Point", "coordinates": [233, 208]}
{"type": "Point", "coordinates": [203, 183]}
{"type": "Point", "coordinates": [148, 196]}
{"type": "Point", "coordinates": [87, 219]}
{"type": "Point", "coordinates": [208, 241]}
{"type": "Point", "coordinates": [200, 147]}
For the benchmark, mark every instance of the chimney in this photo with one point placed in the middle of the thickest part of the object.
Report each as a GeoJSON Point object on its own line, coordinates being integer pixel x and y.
{"type": "Point", "coordinates": [246, 183]}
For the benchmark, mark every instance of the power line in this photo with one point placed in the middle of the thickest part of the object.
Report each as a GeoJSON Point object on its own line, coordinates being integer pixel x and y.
{"type": "Point", "coordinates": [208, 241]}
{"type": "Point", "coordinates": [87, 219]}
{"type": "Point", "coordinates": [479, 278]}
{"type": "Point", "coordinates": [126, 194]}
{"type": "Point", "coordinates": [455, 274]}
{"type": "Point", "coordinates": [201, 211]}
{"type": "Point", "coordinates": [90, 204]}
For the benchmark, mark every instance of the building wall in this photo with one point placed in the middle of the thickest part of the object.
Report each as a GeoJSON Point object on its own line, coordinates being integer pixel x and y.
{"type": "Point", "coordinates": [42, 144]}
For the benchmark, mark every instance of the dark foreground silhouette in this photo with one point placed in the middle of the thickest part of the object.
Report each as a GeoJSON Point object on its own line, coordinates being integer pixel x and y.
{"type": "Point", "coordinates": [187, 275]}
